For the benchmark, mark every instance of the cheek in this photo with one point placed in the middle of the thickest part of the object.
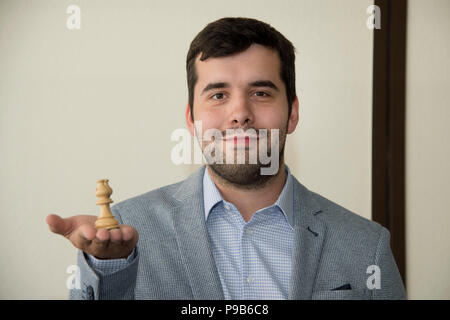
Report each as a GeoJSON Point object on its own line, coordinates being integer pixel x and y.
{"type": "Point", "coordinates": [271, 119]}
{"type": "Point", "coordinates": [209, 120]}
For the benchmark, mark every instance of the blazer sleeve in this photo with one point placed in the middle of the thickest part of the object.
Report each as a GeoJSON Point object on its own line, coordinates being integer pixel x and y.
{"type": "Point", "coordinates": [119, 285]}
{"type": "Point", "coordinates": [391, 283]}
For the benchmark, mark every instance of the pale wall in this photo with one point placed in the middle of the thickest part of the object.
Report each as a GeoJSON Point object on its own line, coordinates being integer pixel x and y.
{"type": "Point", "coordinates": [102, 101]}
{"type": "Point", "coordinates": [428, 150]}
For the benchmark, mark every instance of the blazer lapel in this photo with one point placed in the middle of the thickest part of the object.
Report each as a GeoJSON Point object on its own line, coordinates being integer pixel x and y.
{"type": "Point", "coordinates": [193, 241]}
{"type": "Point", "coordinates": [309, 235]}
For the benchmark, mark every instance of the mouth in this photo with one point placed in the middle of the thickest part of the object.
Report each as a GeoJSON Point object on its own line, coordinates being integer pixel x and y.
{"type": "Point", "coordinates": [241, 140]}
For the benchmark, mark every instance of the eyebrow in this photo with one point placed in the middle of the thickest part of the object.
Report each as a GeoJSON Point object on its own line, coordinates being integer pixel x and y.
{"type": "Point", "coordinates": [264, 83]}
{"type": "Point", "coordinates": [215, 85]}
{"type": "Point", "coordinates": [258, 83]}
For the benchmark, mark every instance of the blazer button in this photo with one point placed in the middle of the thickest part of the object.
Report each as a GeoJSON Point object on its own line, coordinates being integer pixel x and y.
{"type": "Point", "coordinates": [89, 293]}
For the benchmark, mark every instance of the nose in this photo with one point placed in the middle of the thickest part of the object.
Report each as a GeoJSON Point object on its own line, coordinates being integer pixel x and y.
{"type": "Point", "coordinates": [241, 114]}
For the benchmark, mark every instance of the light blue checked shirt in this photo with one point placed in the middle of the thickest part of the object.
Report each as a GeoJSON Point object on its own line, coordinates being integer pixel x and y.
{"type": "Point", "coordinates": [253, 258]}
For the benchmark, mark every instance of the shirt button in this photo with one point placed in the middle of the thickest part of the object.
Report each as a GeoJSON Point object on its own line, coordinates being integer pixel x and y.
{"type": "Point", "coordinates": [249, 232]}
{"type": "Point", "coordinates": [250, 279]}
{"type": "Point", "coordinates": [227, 206]}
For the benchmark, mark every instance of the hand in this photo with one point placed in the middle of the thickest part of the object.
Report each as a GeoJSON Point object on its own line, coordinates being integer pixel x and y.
{"type": "Point", "coordinates": [101, 243]}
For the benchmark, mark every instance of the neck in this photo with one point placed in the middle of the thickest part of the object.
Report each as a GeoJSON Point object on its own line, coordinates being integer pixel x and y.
{"type": "Point", "coordinates": [248, 201]}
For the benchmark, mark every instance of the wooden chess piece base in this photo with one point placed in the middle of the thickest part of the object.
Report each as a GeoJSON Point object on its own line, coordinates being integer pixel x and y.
{"type": "Point", "coordinates": [108, 223]}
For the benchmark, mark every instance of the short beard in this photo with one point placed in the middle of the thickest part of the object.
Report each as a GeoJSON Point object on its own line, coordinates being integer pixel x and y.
{"type": "Point", "coordinates": [247, 176]}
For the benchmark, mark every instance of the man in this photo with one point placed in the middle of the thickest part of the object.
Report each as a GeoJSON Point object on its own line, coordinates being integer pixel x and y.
{"type": "Point", "coordinates": [229, 231]}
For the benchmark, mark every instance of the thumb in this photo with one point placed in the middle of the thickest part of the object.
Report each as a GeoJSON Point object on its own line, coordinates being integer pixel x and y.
{"type": "Point", "coordinates": [59, 225]}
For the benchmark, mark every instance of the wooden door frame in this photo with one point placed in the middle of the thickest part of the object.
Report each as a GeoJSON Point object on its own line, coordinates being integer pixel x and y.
{"type": "Point", "coordinates": [388, 127]}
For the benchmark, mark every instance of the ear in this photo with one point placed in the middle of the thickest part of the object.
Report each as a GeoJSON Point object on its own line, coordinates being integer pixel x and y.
{"type": "Point", "coordinates": [293, 118]}
{"type": "Point", "coordinates": [189, 121]}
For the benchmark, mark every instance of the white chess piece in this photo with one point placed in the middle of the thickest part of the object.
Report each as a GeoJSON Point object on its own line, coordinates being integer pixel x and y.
{"type": "Point", "coordinates": [106, 219]}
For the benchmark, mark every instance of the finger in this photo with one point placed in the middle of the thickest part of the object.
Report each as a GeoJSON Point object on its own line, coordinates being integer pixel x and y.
{"type": "Point", "coordinates": [88, 232]}
{"type": "Point", "coordinates": [82, 236]}
{"type": "Point", "coordinates": [59, 225]}
{"type": "Point", "coordinates": [102, 235]}
{"type": "Point", "coordinates": [128, 233]}
{"type": "Point", "coordinates": [115, 236]}
{"type": "Point", "coordinates": [100, 242]}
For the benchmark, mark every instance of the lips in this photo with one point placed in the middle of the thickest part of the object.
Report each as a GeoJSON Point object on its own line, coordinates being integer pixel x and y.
{"type": "Point", "coordinates": [241, 137]}
{"type": "Point", "coordinates": [241, 140]}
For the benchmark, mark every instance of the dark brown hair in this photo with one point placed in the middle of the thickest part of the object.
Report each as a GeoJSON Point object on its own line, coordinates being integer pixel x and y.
{"type": "Point", "coordinates": [228, 36]}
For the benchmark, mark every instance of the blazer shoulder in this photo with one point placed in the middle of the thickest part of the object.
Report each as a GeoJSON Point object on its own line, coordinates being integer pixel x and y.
{"type": "Point", "coordinates": [345, 221]}
{"type": "Point", "coordinates": [148, 201]}
{"type": "Point", "coordinates": [161, 200]}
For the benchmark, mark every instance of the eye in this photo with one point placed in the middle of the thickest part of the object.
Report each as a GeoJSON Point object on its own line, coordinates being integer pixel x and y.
{"type": "Point", "coordinates": [261, 94]}
{"type": "Point", "coordinates": [218, 96]}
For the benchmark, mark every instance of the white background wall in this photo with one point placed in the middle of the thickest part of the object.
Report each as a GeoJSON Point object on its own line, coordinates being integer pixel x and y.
{"type": "Point", "coordinates": [102, 101]}
{"type": "Point", "coordinates": [428, 150]}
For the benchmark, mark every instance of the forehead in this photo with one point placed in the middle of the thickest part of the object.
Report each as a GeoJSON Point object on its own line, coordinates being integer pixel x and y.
{"type": "Point", "coordinates": [255, 63]}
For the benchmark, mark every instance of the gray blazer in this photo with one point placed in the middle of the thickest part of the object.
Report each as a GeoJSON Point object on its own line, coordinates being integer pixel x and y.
{"type": "Point", "coordinates": [332, 256]}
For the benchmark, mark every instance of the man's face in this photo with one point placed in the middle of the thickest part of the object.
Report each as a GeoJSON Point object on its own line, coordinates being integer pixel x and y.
{"type": "Point", "coordinates": [242, 91]}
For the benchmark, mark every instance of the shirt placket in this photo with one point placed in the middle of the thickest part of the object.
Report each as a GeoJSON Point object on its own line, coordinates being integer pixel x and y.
{"type": "Point", "coordinates": [248, 259]}
{"type": "Point", "coordinates": [239, 223]}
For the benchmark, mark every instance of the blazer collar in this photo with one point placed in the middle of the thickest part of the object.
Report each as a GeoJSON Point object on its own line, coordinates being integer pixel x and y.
{"type": "Point", "coordinates": [193, 241]}
{"type": "Point", "coordinates": [309, 235]}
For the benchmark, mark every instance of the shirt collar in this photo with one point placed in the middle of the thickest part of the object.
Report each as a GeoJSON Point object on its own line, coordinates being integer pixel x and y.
{"type": "Point", "coordinates": [285, 201]}
{"type": "Point", "coordinates": [211, 195]}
